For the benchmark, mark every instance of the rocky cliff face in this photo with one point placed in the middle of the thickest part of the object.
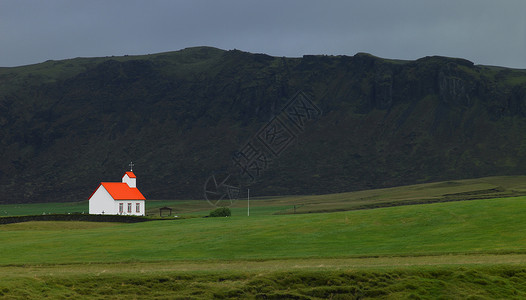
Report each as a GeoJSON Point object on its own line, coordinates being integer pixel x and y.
{"type": "Point", "coordinates": [67, 125]}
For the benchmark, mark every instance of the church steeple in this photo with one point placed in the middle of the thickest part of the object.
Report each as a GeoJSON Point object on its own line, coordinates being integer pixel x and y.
{"type": "Point", "coordinates": [129, 178]}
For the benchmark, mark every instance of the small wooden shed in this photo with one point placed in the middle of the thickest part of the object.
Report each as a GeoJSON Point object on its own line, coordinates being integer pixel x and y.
{"type": "Point", "coordinates": [165, 209]}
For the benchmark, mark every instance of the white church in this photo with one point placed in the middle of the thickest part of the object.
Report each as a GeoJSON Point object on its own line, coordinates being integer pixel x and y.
{"type": "Point", "coordinates": [118, 198]}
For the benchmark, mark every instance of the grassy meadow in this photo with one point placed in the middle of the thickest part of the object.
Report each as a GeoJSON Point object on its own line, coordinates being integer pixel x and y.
{"type": "Point", "coordinates": [469, 227]}
{"type": "Point", "coordinates": [452, 250]}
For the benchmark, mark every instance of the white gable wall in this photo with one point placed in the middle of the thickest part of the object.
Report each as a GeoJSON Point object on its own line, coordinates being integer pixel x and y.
{"type": "Point", "coordinates": [101, 201]}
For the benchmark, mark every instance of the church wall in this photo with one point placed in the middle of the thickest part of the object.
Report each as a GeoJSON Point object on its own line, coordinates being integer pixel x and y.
{"type": "Point", "coordinates": [133, 207]}
{"type": "Point", "coordinates": [101, 201]}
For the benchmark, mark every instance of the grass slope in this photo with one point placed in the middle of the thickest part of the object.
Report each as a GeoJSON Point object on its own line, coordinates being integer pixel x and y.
{"type": "Point", "coordinates": [43, 208]}
{"type": "Point", "coordinates": [452, 250]}
{"type": "Point", "coordinates": [479, 226]}
{"type": "Point", "coordinates": [445, 191]}
{"type": "Point", "coordinates": [455, 250]}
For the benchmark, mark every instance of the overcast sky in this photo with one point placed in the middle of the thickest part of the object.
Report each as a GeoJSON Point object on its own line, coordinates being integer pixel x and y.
{"type": "Point", "coordinates": [486, 32]}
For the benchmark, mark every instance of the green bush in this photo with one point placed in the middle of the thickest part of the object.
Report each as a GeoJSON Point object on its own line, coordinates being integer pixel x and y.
{"type": "Point", "coordinates": [221, 212]}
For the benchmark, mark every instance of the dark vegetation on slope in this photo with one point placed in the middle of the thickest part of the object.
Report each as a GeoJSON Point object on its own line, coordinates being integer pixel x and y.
{"type": "Point", "coordinates": [67, 125]}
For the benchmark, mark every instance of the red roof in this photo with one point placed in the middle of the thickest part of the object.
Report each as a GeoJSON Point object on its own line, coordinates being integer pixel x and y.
{"type": "Point", "coordinates": [121, 191]}
{"type": "Point", "coordinates": [130, 174]}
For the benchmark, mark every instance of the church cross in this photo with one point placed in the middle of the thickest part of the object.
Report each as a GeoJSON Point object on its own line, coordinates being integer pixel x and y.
{"type": "Point", "coordinates": [131, 166]}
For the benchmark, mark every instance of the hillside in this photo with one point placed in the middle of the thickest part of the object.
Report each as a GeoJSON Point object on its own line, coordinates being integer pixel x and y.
{"type": "Point", "coordinates": [180, 116]}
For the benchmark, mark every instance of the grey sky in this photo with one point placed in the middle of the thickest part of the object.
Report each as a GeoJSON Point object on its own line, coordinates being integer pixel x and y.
{"type": "Point", "coordinates": [486, 32]}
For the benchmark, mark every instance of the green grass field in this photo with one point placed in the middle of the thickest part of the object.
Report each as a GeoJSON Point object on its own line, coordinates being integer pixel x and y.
{"type": "Point", "coordinates": [452, 250]}
{"type": "Point", "coordinates": [477, 226]}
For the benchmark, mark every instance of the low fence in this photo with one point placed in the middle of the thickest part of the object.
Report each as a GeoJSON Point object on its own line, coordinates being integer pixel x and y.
{"type": "Point", "coordinates": [75, 217]}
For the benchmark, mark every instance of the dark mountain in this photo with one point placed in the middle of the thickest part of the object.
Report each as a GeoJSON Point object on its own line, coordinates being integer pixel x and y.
{"type": "Point", "coordinates": [181, 116]}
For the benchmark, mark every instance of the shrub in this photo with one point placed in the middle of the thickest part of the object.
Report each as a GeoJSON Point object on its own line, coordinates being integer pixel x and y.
{"type": "Point", "coordinates": [221, 212]}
